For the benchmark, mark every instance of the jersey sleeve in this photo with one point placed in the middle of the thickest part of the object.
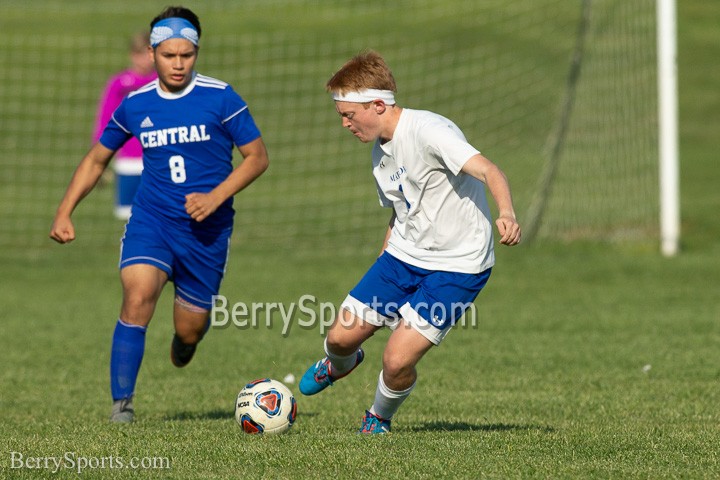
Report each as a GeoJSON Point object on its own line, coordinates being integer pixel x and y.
{"type": "Point", "coordinates": [447, 146]}
{"type": "Point", "coordinates": [237, 119]}
{"type": "Point", "coordinates": [116, 133]}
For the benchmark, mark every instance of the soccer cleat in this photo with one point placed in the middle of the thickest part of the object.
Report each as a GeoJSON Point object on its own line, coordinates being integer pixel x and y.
{"type": "Point", "coordinates": [372, 424]}
{"type": "Point", "coordinates": [122, 411]}
{"type": "Point", "coordinates": [181, 353]}
{"type": "Point", "coordinates": [319, 376]}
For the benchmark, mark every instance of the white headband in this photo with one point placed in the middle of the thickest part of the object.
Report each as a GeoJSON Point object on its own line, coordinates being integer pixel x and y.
{"type": "Point", "coordinates": [365, 96]}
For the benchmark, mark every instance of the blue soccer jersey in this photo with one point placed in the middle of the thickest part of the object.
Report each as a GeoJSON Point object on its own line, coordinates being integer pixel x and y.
{"type": "Point", "coordinates": [188, 140]}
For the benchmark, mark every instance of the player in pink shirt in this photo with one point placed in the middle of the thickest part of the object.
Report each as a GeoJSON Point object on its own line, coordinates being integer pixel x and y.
{"type": "Point", "coordinates": [128, 163]}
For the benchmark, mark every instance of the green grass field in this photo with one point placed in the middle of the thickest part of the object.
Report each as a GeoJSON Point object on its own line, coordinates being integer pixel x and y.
{"type": "Point", "coordinates": [588, 360]}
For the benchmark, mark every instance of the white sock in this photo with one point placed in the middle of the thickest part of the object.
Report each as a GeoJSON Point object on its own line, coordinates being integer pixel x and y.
{"type": "Point", "coordinates": [388, 401]}
{"type": "Point", "coordinates": [340, 363]}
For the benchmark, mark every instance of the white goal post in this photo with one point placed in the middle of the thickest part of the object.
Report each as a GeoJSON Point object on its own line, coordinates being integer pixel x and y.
{"type": "Point", "coordinates": [668, 125]}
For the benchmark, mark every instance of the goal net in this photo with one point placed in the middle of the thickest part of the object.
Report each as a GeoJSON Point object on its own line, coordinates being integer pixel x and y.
{"type": "Point", "coordinates": [562, 95]}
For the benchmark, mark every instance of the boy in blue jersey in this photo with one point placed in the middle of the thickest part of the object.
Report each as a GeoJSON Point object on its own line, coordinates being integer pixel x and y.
{"type": "Point", "coordinates": [182, 216]}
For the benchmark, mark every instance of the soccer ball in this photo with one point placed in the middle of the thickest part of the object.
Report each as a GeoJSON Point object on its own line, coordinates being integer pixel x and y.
{"type": "Point", "coordinates": [265, 406]}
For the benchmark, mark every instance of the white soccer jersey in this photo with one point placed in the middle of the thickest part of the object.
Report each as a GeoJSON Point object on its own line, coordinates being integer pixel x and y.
{"type": "Point", "coordinates": [443, 219]}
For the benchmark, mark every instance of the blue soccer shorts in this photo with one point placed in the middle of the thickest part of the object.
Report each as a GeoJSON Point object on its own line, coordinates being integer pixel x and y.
{"type": "Point", "coordinates": [430, 301]}
{"type": "Point", "coordinates": [194, 262]}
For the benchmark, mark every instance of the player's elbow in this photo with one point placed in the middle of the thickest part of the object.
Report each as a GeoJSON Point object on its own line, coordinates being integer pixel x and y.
{"type": "Point", "coordinates": [259, 165]}
{"type": "Point", "coordinates": [263, 163]}
{"type": "Point", "coordinates": [260, 160]}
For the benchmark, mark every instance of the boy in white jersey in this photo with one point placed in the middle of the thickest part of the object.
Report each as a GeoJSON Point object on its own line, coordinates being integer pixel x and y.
{"type": "Point", "coordinates": [182, 216]}
{"type": "Point", "coordinates": [438, 251]}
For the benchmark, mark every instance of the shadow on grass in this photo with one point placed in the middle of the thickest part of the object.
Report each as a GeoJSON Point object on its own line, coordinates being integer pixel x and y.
{"type": "Point", "coordinates": [211, 415]}
{"type": "Point", "coordinates": [472, 427]}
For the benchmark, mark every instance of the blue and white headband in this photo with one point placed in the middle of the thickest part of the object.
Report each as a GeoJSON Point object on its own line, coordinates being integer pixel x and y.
{"type": "Point", "coordinates": [173, 27]}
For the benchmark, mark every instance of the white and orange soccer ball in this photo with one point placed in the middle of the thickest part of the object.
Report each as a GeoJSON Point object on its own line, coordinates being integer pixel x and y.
{"type": "Point", "coordinates": [265, 406]}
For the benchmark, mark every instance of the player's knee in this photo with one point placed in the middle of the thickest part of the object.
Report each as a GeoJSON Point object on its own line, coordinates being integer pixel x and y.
{"type": "Point", "coordinates": [397, 369]}
{"type": "Point", "coordinates": [190, 333]}
{"type": "Point", "coordinates": [335, 343]}
{"type": "Point", "coordinates": [191, 321]}
{"type": "Point", "coordinates": [137, 308]}
{"type": "Point", "coordinates": [341, 343]}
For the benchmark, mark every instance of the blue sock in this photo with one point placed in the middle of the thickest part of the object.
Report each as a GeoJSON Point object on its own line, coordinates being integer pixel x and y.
{"type": "Point", "coordinates": [128, 347]}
